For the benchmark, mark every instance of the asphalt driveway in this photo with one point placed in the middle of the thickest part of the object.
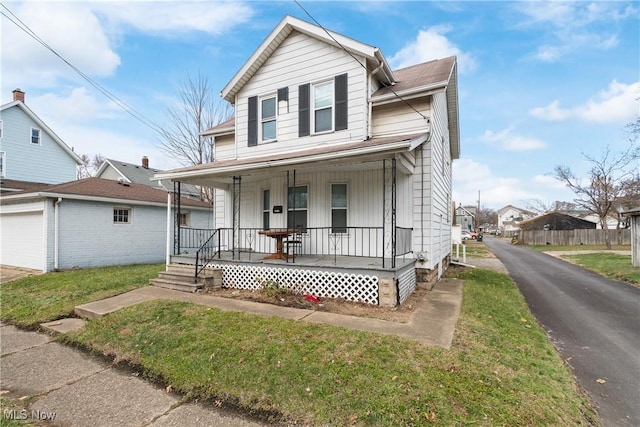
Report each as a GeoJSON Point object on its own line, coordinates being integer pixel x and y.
{"type": "Point", "coordinates": [594, 322]}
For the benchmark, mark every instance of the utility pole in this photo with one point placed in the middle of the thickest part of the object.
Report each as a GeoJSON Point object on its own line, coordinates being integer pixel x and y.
{"type": "Point", "coordinates": [478, 213]}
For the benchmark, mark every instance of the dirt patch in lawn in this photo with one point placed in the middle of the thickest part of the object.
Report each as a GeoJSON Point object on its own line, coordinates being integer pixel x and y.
{"type": "Point", "coordinates": [401, 313]}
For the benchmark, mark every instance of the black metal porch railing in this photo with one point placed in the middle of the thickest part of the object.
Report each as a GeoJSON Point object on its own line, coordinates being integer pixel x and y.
{"type": "Point", "coordinates": [366, 242]}
{"type": "Point", "coordinates": [207, 252]}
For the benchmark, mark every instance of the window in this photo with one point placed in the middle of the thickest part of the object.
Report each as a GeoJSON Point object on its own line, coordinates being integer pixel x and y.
{"type": "Point", "coordinates": [35, 136]}
{"type": "Point", "coordinates": [184, 219]}
{"type": "Point", "coordinates": [123, 216]}
{"type": "Point", "coordinates": [268, 118]}
{"type": "Point", "coordinates": [297, 205]}
{"type": "Point", "coordinates": [3, 164]}
{"type": "Point", "coordinates": [266, 203]}
{"type": "Point", "coordinates": [323, 107]}
{"type": "Point", "coordinates": [338, 208]}
{"type": "Point", "coordinates": [0, 128]}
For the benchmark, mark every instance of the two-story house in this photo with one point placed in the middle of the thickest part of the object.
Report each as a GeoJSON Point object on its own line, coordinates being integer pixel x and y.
{"type": "Point", "coordinates": [466, 217]}
{"type": "Point", "coordinates": [29, 150]}
{"type": "Point", "coordinates": [510, 217]}
{"type": "Point", "coordinates": [334, 176]}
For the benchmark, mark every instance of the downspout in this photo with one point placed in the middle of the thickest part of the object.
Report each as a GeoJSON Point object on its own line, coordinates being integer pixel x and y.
{"type": "Point", "coordinates": [169, 234]}
{"type": "Point", "coordinates": [56, 233]}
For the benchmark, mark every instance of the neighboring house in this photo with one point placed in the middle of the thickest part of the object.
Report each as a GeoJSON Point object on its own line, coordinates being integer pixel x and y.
{"type": "Point", "coordinates": [330, 143]}
{"type": "Point", "coordinates": [556, 221]}
{"type": "Point", "coordinates": [466, 217]}
{"type": "Point", "coordinates": [139, 174]}
{"type": "Point", "coordinates": [634, 215]}
{"type": "Point", "coordinates": [89, 223]}
{"type": "Point", "coordinates": [29, 149]}
{"type": "Point", "coordinates": [510, 217]}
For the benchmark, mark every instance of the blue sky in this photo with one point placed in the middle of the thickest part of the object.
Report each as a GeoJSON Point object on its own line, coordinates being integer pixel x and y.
{"type": "Point", "coordinates": [540, 82]}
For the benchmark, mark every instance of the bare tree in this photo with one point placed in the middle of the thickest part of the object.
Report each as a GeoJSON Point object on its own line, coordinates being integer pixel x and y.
{"type": "Point", "coordinates": [90, 165]}
{"type": "Point", "coordinates": [198, 109]}
{"type": "Point", "coordinates": [611, 178]}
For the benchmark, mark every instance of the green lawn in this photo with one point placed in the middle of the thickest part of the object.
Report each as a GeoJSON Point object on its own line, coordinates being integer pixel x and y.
{"type": "Point", "coordinates": [614, 266]}
{"type": "Point", "coordinates": [501, 369]}
{"type": "Point", "coordinates": [50, 296]}
{"type": "Point", "coordinates": [476, 249]}
{"type": "Point", "coordinates": [546, 248]}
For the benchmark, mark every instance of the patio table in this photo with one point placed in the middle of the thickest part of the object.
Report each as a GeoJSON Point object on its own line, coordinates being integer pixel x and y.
{"type": "Point", "coordinates": [279, 235]}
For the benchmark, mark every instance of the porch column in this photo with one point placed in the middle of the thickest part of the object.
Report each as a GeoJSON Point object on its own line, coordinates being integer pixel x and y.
{"type": "Point", "coordinates": [176, 224]}
{"type": "Point", "coordinates": [389, 212]}
{"type": "Point", "coordinates": [236, 217]}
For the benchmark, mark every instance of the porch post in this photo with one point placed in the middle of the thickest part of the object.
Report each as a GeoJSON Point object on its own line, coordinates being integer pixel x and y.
{"type": "Point", "coordinates": [389, 212]}
{"type": "Point", "coordinates": [176, 224]}
{"type": "Point", "coordinates": [236, 217]}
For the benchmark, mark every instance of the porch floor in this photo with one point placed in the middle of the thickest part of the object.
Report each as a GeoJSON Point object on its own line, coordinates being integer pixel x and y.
{"type": "Point", "coordinates": [313, 261]}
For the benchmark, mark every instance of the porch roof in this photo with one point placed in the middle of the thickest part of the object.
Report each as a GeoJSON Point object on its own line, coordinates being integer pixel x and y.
{"type": "Point", "coordinates": [373, 149]}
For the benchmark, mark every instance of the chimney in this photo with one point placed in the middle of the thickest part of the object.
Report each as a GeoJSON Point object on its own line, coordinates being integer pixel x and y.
{"type": "Point", "coordinates": [18, 95]}
{"type": "Point", "coordinates": [145, 162]}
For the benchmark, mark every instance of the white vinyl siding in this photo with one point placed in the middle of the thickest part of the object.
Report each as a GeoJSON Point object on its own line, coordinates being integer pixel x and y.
{"type": "Point", "coordinates": [398, 118]}
{"type": "Point", "coordinates": [224, 148]}
{"type": "Point", "coordinates": [300, 60]}
{"type": "Point", "coordinates": [3, 164]}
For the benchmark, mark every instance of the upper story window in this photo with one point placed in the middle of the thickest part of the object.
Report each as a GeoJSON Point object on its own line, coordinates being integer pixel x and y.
{"type": "Point", "coordinates": [35, 136]}
{"type": "Point", "coordinates": [268, 119]}
{"type": "Point", "coordinates": [0, 128]}
{"type": "Point", "coordinates": [323, 107]}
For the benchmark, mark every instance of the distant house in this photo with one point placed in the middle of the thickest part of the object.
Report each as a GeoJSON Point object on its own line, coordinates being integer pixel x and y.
{"type": "Point", "coordinates": [140, 174]}
{"type": "Point", "coordinates": [510, 217]}
{"type": "Point", "coordinates": [89, 223]}
{"type": "Point", "coordinates": [349, 157]}
{"type": "Point", "coordinates": [29, 149]}
{"type": "Point", "coordinates": [556, 221]}
{"type": "Point", "coordinates": [466, 217]}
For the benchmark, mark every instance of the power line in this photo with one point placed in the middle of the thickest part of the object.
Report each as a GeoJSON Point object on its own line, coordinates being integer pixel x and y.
{"type": "Point", "coordinates": [358, 61]}
{"type": "Point", "coordinates": [120, 103]}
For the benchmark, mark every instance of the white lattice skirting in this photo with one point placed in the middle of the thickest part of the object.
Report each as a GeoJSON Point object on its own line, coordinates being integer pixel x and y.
{"type": "Point", "coordinates": [328, 284]}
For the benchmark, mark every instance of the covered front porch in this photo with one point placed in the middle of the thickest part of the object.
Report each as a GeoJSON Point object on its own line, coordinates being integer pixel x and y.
{"type": "Point", "coordinates": [308, 221]}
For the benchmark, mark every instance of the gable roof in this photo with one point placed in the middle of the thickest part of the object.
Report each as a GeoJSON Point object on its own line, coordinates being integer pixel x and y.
{"type": "Point", "coordinates": [285, 27]}
{"type": "Point", "coordinates": [132, 173]}
{"type": "Point", "coordinates": [43, 126]}
{"type": "Point", "coordinates": [522, 211]}
{"type": "Point", "coordinates": [99, 189]}
{"type": "Point", "coordinates": [12, 185]}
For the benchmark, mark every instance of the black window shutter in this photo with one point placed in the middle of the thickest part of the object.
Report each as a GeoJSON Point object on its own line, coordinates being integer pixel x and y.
{"type": "Point", "coordinates": [303, 110]}
{"type": "Point", "coordinates": [341, 96]}
{"type": "Point", "coordinates": [283, 94]}
{"type": "Point", "coordinates": [253, 122]}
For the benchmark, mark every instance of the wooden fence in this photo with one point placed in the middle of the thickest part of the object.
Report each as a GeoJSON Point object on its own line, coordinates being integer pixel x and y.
{"type": "Point", "coordinates": [574, 237]}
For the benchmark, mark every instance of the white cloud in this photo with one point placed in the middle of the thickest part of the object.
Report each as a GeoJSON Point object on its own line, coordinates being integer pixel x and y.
{"type": "Point", "coordinates": [431, 44]}
{"type": "Point", "coordinates": [168, 18]}
{"type": "Point", "coordinates": [78, 106]}
{"type": "Point", "coordinates": [507, 140]}
{"type": "Point", "coordinates": [619, 102]}
{"type": "Point", "coordinates": [469, 177]}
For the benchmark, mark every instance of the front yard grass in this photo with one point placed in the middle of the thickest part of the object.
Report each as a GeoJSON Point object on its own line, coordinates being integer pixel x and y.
{"type": "Point", "coordinates": [546, 248]}
{"type": "Point", "coordinates": [614, 266]}
{"type": "Point", "coordinates": [36, 299]}
{"type": "Point", "coordinates": [501, 369]}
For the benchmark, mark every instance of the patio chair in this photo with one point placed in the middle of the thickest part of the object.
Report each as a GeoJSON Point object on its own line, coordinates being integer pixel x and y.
{"type": "Point", "coordinates": [293, 244]}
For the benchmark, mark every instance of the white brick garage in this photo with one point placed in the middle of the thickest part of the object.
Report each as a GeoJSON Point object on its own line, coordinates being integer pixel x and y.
{"type": "Point", "coordinates": [22, 236]}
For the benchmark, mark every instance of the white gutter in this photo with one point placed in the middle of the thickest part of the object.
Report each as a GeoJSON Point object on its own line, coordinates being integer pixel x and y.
{"type": "Point", "coordinates": [288, 162]}
{"type": "Point", "coordinates": [56, 232]}
{"type": "Point", "coordinates": [407, 94]}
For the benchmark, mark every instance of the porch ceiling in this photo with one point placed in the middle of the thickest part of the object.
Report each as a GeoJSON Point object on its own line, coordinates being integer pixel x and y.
{"type": "Point", "coordinates": [352, 156]}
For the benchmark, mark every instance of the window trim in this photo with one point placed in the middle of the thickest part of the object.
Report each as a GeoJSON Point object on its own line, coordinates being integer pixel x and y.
{"type": "Point", "coordinates": [313, 109]}
{"type": "Point", "coordinates": [187, 219]}
{"type": "Point", "coordinates": [39, 136]}
{"type": "Point", "coordinates": [331, 208]}
{"type": "Point", "coordinates": [273, 118]}
{"type": "Point", "coordinates": [116, 215]}
{"type": "Point", "coordinates": [3, 164]}
{"type": "Point", "coordinates": [1, 129]}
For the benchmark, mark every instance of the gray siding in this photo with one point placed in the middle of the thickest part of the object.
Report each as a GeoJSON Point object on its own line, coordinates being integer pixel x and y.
{"type": "Point", "coordinates": [25, 161]}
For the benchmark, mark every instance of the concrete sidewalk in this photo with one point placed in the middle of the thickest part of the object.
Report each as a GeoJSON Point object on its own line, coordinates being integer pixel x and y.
{"type": "Point", "coordinates": [68, 387]}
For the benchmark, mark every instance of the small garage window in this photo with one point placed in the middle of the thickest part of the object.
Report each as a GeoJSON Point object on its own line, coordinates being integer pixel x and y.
{"type": "Point", "coordinates": [122, 215]}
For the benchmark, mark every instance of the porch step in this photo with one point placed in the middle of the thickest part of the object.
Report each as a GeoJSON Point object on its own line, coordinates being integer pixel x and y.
{"type": "Point", "coordinates": [180, 277]}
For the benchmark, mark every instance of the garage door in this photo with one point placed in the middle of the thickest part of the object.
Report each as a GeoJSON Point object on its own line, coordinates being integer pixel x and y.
{"type": "Point", "coordinates": [22, 240]}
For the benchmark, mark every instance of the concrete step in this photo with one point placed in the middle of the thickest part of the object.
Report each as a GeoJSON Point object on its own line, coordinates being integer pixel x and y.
{"type": "Point", "coordinates": [176, 285]}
